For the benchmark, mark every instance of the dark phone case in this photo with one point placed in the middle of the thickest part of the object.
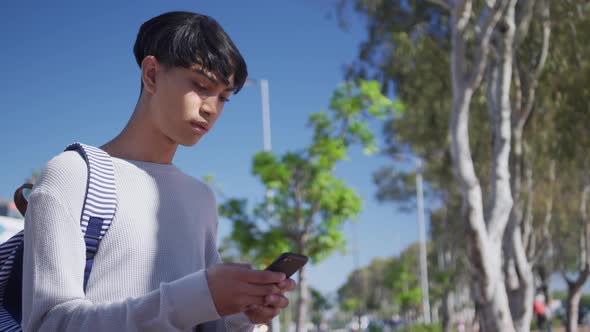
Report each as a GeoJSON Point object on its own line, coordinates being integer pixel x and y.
{"type": "Point", "coordinates": [288, 263]}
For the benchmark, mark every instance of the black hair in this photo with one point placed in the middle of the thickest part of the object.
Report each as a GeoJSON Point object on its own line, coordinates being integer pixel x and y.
{"type": "Point", "coordinates": [183, 39]}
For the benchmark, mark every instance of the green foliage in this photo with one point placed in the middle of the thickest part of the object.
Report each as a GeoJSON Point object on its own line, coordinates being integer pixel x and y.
{"type": "Point", "coordinates": [319, 301]}
{"type": "Point", "coordinates": [411, 328]}
{"type": "Point", "coordinates": [404, 282]}
{"type": "Point", "coordinates": [350, 304]}
{"type": "Point", "coordinates": [385, 287]}
{"type": "Point", "coordinates": [319, 304]}
{"type": "Point", "coordinates": [421, 328]}
{"type": "Point", "coordinates": [560, 134]}
{"type": "Point", "coordinates": [562, 296]}
{"type": "Point", "coordinates": [309, 205]}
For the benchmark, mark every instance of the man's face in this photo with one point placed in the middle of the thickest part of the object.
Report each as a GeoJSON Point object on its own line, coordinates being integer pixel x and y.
{"type": "Point", "coordinates": [187, 102]}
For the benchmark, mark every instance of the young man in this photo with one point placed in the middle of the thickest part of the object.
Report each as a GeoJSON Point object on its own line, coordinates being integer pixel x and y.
{"type": "Point", "coordinates": [157, 268]}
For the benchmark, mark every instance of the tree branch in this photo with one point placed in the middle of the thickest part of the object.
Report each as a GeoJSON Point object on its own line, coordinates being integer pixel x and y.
{"type": "Point", "coordinates": [297, 200]}
{"type": "Point", "coordinates": [584, 215]}
{"type": "Point", "coordinates": [493, 106]}
{"type": "Point", "coordinates": [528, 211]}
{"type": "Point", "coordinates": [459, 19]}
{"type": "Point", "coordinates": [463, 9]}
{"type": "Point", "coordinates": [518, 99]}
{"type": "Point", "coordinates": [309, 222]}
{"type": "Point", "coordinates": [487, 25]}
{"type": "Point", "coordinates": [525, 113]}
{"type": "Point", "coordinates": [444, 4]}
{"type": "Point", "coordinates": [500, 182]}
{"type": "Point", "coordinates": [539, 253]}
{"type": "Point", "coordinates": [546, 243]}
{"type": "Point", "coordinates": [523, 21]}
{"type": "Point", "coordinates": [574, 31]}
{"type": "Point", "coordinates": [566, 278]}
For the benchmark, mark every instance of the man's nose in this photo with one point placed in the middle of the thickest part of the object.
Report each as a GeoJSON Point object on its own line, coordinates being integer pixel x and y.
{"type": "Point", "coordinates": [208, 108]}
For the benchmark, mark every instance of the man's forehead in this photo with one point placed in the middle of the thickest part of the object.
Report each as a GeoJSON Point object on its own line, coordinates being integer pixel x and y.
{"type": "Point", "coordinates": [211, 75]}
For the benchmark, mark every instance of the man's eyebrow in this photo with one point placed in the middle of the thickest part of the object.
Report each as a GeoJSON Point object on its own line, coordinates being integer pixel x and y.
{"type": "Point", "coordinates": [207, 74]}
{"type": "Point", "coordinates": [211, 77]}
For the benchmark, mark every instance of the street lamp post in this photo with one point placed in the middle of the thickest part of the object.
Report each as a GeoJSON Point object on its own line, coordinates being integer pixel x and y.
{"type": "Point", "coordinates": [422, 230]}
{"type": "Point", "coordinates": [265, 122]}
{"type": "Point", "coordinates": [275, 323]}
{"type": "Point", "coordinates": [265, 110]}
{"type": "Point", "coordinates": [422, 234]}
{"type": "Point", "coordinates": [265, 114]}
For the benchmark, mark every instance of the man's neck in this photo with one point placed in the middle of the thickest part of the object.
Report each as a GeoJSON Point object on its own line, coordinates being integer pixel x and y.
{"type": "Point", "coordinates": [141, 140]}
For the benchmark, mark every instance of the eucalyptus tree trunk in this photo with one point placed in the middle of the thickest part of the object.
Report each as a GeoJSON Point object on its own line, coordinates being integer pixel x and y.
{"type": "Point", "coordinates": [485, 228]}
{"type": "Point", "coordinates": [303, 294]}
{"type": "Point", "coordinates": [519, 249]}
{"type": "Point", "coordinates": [574, 289]}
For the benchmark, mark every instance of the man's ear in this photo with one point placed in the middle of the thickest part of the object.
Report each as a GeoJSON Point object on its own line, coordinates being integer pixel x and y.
{"type": "Point", "coordinates": [149, 71]}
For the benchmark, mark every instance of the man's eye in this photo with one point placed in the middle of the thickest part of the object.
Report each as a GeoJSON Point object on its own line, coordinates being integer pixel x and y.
{"type": "Point", "coordinates": [200, 87]}
{"type": "Point", "coordinates": [223, 99]}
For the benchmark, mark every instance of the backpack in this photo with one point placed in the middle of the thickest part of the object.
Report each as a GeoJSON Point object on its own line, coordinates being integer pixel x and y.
{"type": "Point", "coordinates": [98, 211]}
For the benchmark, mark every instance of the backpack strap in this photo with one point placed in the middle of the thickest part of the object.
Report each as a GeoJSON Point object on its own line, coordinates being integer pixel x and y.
{"type": "Point", "coordinates": [100, 200]}
{"type": "Point", "coordinates": [20, 200]}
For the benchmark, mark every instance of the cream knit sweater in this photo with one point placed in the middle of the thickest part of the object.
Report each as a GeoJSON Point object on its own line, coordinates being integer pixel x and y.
{"type": "Point", "coordinates": [148, 274]}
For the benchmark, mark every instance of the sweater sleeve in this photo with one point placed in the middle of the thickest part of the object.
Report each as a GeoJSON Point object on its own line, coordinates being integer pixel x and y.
{"type": "Point", "coordinates": [53, 273]}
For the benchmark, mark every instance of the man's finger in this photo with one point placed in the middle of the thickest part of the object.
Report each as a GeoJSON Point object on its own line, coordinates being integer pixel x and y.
{"type": "Point", "coordinates": [276, 301]}
{"type": "Point", "coordinates": [260, 289]}
{"type": "Point", "coordinates": [265, 313]}
{"type": "Point", "coordinates": [287, 285]}
{"type": "Point", "coordinates": [263, 277]}
{"type": "Point", "coordinates": [253, 307]}
{"type": "Point", "coordinates": [247, 301]}
{"type": "Point", "coordinates": [242, 265]}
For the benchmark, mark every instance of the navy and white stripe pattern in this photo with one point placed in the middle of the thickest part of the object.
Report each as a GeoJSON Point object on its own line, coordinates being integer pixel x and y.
{"type": "Point", "coordinates": [8, 251]}
{"type": "Point", "coordinates": [101, 195]}
{"type": "Point", "coordinates": [100, 203]}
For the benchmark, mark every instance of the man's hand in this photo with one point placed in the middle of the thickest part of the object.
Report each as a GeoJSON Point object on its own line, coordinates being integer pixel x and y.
{"type": "Point", "coordinates": [236, 288]}
{"type": "Point", "coordinates": [260, 314]}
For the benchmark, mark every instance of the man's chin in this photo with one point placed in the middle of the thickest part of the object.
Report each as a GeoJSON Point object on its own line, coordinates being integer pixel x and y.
{"type": "Point", "coordinates": [190, 142]}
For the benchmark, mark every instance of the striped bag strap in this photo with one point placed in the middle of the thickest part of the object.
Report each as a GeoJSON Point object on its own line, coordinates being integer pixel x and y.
{"type": "Point", "coordinates": [100, 200]}
{"type": "Point", "coordinates": [11, 260]}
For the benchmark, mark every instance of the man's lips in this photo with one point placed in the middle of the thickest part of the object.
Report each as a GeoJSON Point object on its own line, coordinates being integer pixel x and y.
{"type": "Point", "coordinates": [200, 125]}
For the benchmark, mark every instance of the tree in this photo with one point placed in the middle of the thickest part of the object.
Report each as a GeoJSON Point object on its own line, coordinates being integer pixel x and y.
{"type": "Point", "coordinates": [319, 304]}
{"type": "Point", "coordinates": [310, 204]}
{"type": "Point", "coordinates": [566, 146]}
{"type": "Point", "coordinates": [529, 48]}
{"type": "Point", "coordinates": [402, 279]}
{"type": "Point", "coordinates": [484, 44]}
{"type": "Point", "coordinates": [385, 287]}
{"type": "Point", "coordinates": [365, 290]}
{"type": "Point", "coordinates": [448, 269]}
{"type": "Point", "coordinates": [569, 111]}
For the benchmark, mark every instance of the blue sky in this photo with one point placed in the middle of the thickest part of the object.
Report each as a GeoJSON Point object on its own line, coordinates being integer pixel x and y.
{"type": "Point", "coordinates": [69, 75]}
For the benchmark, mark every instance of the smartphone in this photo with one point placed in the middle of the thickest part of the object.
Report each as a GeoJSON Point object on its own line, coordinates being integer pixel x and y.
{"type": "Point", "coordinates": [288, 263]}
